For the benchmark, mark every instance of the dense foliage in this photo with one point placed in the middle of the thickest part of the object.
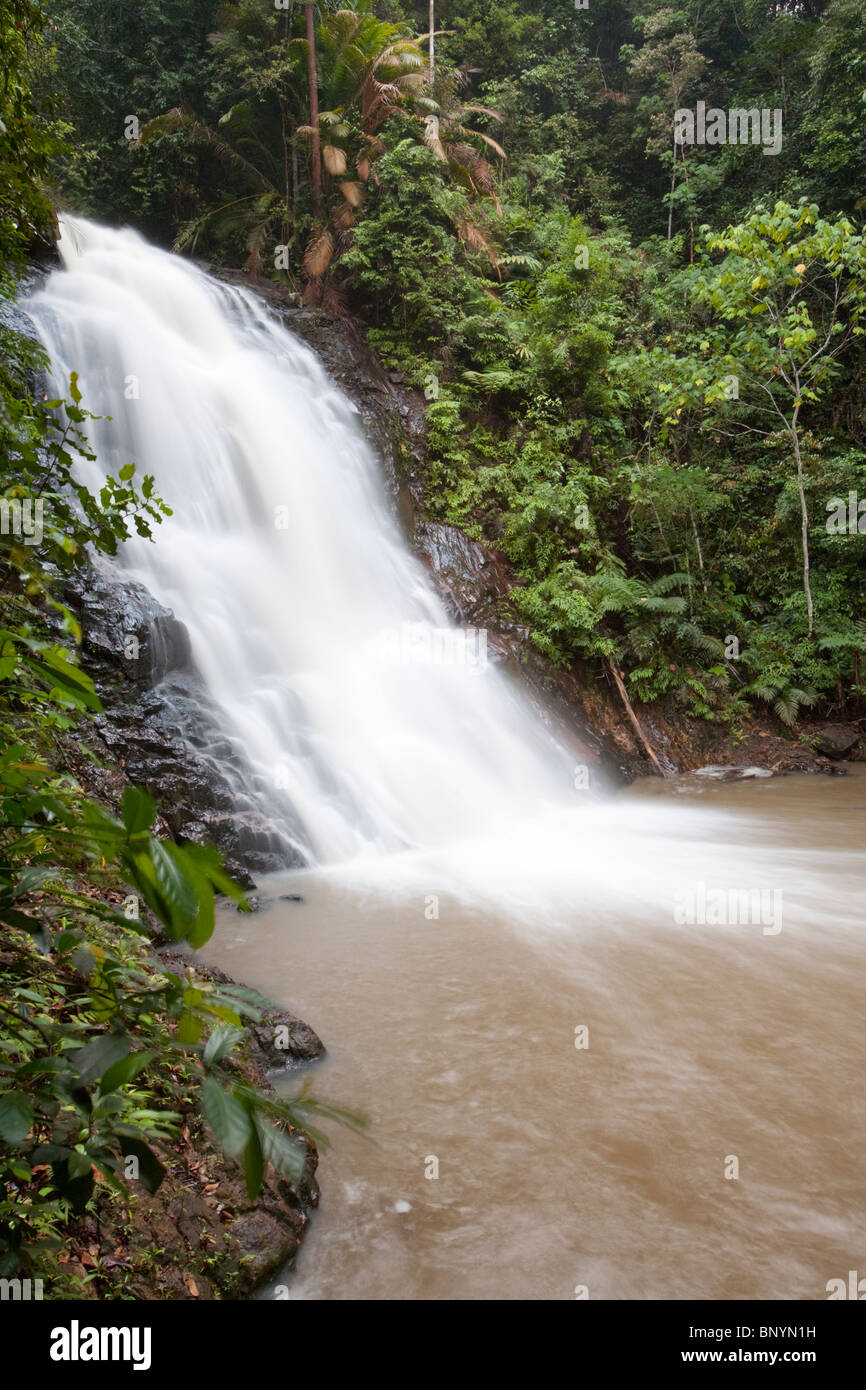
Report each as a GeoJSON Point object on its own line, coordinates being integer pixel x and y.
{"type": "Point", "coordinates": [105, 1053]}
{"type": "Point", "coordinates": [642, 358]}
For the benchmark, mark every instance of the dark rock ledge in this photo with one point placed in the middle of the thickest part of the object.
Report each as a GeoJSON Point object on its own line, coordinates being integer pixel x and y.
{"type": "Point", "coordinates": [162, 728]}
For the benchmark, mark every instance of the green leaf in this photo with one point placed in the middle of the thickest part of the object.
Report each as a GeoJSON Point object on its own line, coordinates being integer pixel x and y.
{"type": "Point", "coordinates": [138, 810]}
{"type": "Point", "coordinates": [30, 879]}
{"type": "Point", "coordinates": [189, 1029]}
{"type": "Point", "coordinates": [202, 929]}
{"type": "Point", "coordinates": [221, 1041]}
{"type": "Point", "coordinates": [77, 1191]}
{"type": "Point", "coordinates": [79, 1165]}
{"type": "Point", "coordinates": [208, 861]}
{"type": "Point", "coordinates": [254, 1165]}
{"type": "Point", "coordinates": [151, 1171]}
{"type": "Point", "coordinates": [280, 1150]}
{"type": "Point", "coordinates": [32, 925]}
{"type": "Point", "coordinates": [16, 1116]}
{"type": "Point", "coordinates": [173, 882]}
{"type": "Point", "coordinates": [123, 1071]}
{"type": "Point", "coordinates": [93, 1061]}
{"type": "Point", "coordinates": [227, 1117]}
{"type": "Point", "coordinates": [126, 472]}
{"type": "Point", "coordinates": [83, 961]}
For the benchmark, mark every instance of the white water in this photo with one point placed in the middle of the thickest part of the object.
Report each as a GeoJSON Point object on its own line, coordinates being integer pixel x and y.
{"type": "Point", "coordinates": [440, 811]}
{"type": "Point", "coordinates": [309, 618]}
{"type": "Point", "coordinates": [434, 774]}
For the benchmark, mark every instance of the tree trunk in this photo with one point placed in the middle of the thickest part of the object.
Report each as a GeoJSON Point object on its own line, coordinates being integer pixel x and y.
{"type": "Point", "coordinates": [671, 200]}
{"type": "Point", "coordinates": [700, 551]}
{"type": "Point", "coordinates": [287, 182]}
{"type": "Point", "coordinates": [804, 519]}
{"type": "Point", "coordinates": [314, 112]}
{"type": "Point", "coordinates": [635, 723]}
{"type": "Point", "coordinates": [295, 186]}
{"type": "Point", "coordinates": [432, 27]}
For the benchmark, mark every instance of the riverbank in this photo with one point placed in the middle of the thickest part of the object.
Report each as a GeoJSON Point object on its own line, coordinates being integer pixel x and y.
{"type": "Point", "coordinates": [199, 1235]}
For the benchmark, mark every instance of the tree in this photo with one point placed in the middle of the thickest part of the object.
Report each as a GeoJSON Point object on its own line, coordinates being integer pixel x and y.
{"type": "Point", "coordinates": [671, 63]}
{"type": "Point", "coordinates": [25, 142]}
{"type": "Point", "coordinates": [314, 112]}
{"type": "Point", "coordinates": [791, 292]}
{"type": "Point", "coordinates": [363, 68]}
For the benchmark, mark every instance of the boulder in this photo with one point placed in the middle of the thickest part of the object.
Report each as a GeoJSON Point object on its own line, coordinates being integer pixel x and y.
{"type": "Point", "coordinates": [837, 740]}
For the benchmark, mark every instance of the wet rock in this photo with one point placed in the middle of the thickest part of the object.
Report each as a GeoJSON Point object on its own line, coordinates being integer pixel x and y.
{"type": "Point", "coordinates": [160, 725]}
{"type": "Point", "coordinates": [725, 773]}
{"type": "Point", "coordinates": [286, 1042]}
{"type": "Point", "coordinates": [470, 577]}
{"type": "Point", "coordinates": [125, 631]}
{"type": "Point", "coordinates": [279, 1040]}
{"type": "Point", "coordinates": [837, 740]}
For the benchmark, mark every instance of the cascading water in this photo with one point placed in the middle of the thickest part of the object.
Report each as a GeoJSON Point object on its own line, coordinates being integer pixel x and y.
{"type": "Point", "coordinates": [415, 770]}
{"type": "Point", "coordinates": [316, 630]}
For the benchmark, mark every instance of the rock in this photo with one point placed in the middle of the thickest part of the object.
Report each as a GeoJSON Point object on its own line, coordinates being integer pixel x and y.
{"type": "Point", "coordinates": [124, 628]}
{"type": "Point", "coordinates": [837, 740]}
{"type": "Point", "coordinates": [286, 1042]}
{"type": "Point", "coordinates": [728, 773]}
{"type": "Point", "coordinates": [161, 726]}
{"type": "Point", "coordinates": [470, 577]}
{"type": "Point", "coordinates": [279, 1041]}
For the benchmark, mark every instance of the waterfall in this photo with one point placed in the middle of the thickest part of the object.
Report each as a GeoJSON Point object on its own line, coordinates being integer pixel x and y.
{"type": "Point", "coordinates": [317, 632]}
{"type": "Point", "coordinates": [408, 759]}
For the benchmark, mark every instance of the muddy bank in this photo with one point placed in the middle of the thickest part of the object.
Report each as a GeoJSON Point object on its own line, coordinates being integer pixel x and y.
{"type": "Point", "coordinates": [199, 1235]}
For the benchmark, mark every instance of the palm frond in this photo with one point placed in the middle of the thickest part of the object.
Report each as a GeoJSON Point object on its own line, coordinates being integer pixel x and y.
{"type": "Point", "coordinates": [318, 254]}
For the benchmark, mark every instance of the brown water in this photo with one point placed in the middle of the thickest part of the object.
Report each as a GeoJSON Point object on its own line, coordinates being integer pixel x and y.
{"type": "Point", "coordinates": [602, 1166]}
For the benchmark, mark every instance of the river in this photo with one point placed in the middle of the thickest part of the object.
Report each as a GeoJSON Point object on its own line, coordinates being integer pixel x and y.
{"type": "Point", "coordinates": [591, 1171]}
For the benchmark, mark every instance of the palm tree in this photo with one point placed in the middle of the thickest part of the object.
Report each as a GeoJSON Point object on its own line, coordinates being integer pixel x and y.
{"type": "Point", "coordinates": [368, 66]}
{"type": "Point", "coordinates": [348, 74]}
{"type": "Point", "coordinates": [314, 111]}
{"type": "Point", "coordinates": [463, 149]}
